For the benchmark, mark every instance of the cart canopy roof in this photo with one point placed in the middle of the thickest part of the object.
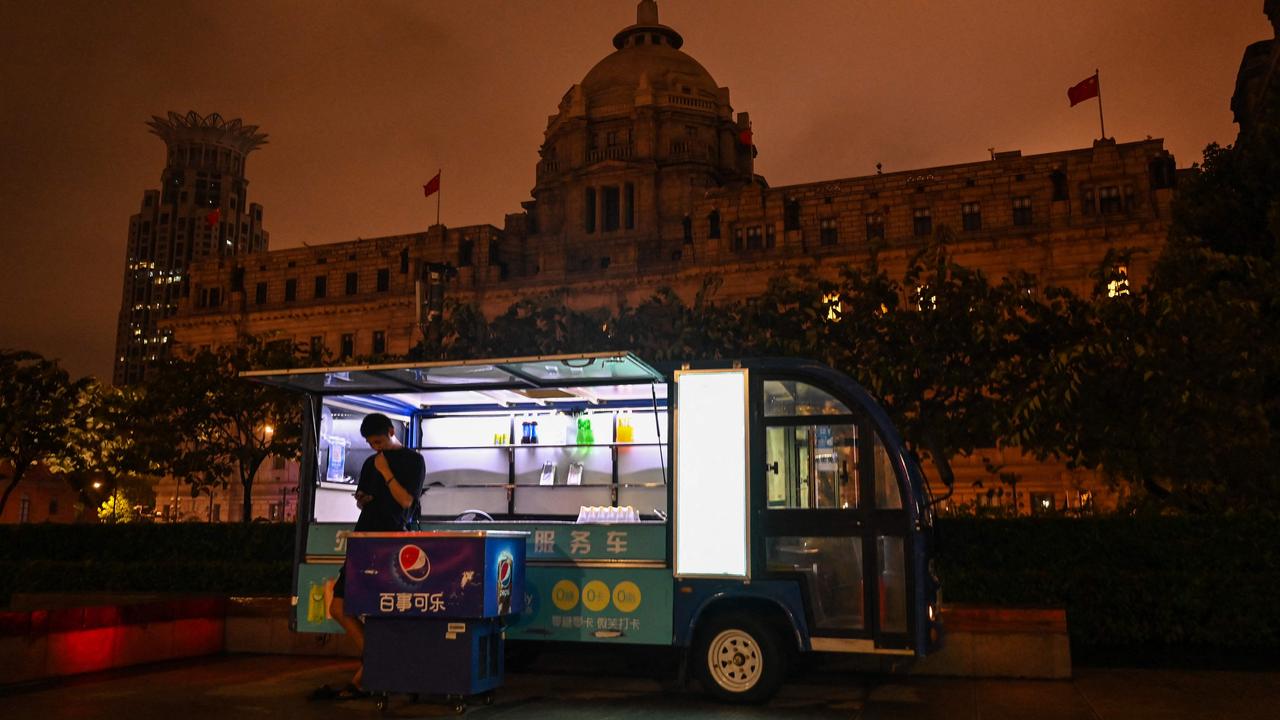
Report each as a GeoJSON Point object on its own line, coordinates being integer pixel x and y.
{"type": "Point", "coordinates": [525, 375]}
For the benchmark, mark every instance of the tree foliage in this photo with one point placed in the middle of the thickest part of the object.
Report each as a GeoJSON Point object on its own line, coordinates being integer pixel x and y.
{"type": "Point", "coordinates": [40, 405]}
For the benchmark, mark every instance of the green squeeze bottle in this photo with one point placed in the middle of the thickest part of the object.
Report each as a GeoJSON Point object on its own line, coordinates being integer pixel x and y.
{"type": "Point", "coordinates": [315, 604]}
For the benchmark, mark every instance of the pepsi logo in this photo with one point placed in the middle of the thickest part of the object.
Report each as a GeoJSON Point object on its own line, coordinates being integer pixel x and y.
{"type": "Point", "coordinates": [414, 563]}
{"type": "Point", "coordinates": [504, 569]}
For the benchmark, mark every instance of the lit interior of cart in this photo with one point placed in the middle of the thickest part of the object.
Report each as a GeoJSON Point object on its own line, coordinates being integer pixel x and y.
{"type": "Point", "coordinates": [527, 438]}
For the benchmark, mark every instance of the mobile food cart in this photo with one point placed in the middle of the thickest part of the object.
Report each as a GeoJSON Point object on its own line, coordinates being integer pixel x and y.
{"type": "Point", "coordinates": [742, 510]}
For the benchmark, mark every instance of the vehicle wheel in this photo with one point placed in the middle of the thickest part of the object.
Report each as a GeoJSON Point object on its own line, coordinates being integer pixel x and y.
{"type": "Point", "coordinates": [739, 658]}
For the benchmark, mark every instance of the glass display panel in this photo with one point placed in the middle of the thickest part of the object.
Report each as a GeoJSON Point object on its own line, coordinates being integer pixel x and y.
{"type": "Point", "coordinates": [893, 584]}
{"type": "Point", "coordinates": [788, 398]}
{"type": "Point", "coordinates": [888, 494]}
{"type": "Point", "coordinates": [569, 370]}
{"type": "Point", "coordinates": [560, 500]}
{"type": "Point", "coordinates": [449, 502]}
{"type": "Point", "coordinates": [812, 466]}
{"type": "Point", "coordinates": [711, 474]}
{"type": "Point", "coordinates": [340, 454]}
{"type": "Point", "coordinates": [832, 571]}
{"type": "Point", "coordinates": [563, 465]}
{"type": "Point", "coordinates": [465, 431]}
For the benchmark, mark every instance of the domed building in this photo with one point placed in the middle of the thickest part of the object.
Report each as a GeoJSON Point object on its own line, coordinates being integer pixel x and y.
{"type": "Point", "coordinates": [629, 149]}
{"type": "Point", "coordinates": [645, 179]}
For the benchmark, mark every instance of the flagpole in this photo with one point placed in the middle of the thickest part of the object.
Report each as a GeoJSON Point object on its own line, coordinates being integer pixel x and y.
{"type": "Point", "coordinates": [1098, 81]}
{"type": "Point", "coordinates": [439, 192]}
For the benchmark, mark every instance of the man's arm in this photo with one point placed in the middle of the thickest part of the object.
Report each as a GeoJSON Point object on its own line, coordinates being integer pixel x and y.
{"type": "Point", "coordinates": [395, 485]}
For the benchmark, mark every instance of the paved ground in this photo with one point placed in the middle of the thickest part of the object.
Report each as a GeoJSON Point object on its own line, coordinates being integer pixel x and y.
{"type": "Point", "coordinates": [247, 686]}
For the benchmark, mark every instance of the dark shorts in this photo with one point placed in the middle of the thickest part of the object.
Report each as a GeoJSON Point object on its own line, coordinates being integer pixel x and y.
{"type": "Point", "coordinates": [340, 584]}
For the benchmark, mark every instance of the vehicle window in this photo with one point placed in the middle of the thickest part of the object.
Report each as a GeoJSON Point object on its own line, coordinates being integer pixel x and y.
{"type": "Point", "coordinates": [812, 466]}
{"type": "Point", "coordinates": [832, 570]}
{"type": "Point", "coordinates": [783, 398]}
{"type": "Point", "coordinates": [888, 497]}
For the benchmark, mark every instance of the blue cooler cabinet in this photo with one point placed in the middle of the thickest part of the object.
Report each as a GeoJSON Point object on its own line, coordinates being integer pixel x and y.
{"type": "Point", "coordinates": [434, 604]}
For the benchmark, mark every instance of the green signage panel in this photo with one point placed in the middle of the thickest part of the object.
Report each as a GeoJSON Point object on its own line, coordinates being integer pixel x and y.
{"type": "Point", "coordinates": [547, 541]}
{"type": "Point", "coordinates": [594, 604]}
{"type": "Point", "coordinates": [314, 588]}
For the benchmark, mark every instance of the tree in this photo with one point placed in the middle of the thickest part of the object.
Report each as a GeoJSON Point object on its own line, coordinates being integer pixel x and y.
{"type": "Point", "coordinates": [211, 424]}
{"type": "Point", "coordinates": [39, 406]}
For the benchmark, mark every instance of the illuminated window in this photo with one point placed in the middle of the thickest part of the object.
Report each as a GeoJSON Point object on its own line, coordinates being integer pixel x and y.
{"type": "Point", "coordinates": [971, 216]}
{"type": "Point", "coordinates": [828, 233]}
{"type": "Point", "coordinates": [875, 226]}
{"type": "Point", "coordinates": [921, 221]}
{"type": "Point", "coordinates": [1119, 283]}
{"type": "Point", "coordinates": [1022, 211]}
{"type": "Point", "coordinates": [1109, 200]}
{"type": "Point", "coordinates": [754, 239]}
{"type": "Point", "coordinates": [831, 306]}
{"type": "Point", "coordinates": [925, 299]}
{"type": "Point", "coordinates": [348, 345]}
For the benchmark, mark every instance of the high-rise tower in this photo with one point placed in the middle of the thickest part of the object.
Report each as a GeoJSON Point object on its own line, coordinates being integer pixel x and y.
{"type": "Point", "coordinates": [200, 212]}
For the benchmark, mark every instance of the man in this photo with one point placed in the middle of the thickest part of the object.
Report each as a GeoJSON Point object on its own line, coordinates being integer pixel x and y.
{"type": "Point", "coordinates": [390, 483]}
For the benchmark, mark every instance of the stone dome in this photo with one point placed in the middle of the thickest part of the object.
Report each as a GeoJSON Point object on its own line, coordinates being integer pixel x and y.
{"type": "Point", "coordinates": [647, 52]}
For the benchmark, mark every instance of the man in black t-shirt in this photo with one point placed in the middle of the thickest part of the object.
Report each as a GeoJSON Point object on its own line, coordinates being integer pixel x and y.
{"type": "Point", "coordinates": [389, 486]}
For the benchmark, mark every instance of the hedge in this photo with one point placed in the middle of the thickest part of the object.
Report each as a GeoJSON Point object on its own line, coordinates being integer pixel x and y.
{"type": "Point", "coordinates": [1126, 582]}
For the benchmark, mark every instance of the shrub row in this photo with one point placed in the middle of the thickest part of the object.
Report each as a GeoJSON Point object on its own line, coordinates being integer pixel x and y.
{"type": "Point", "coordinates": [1126, 582]}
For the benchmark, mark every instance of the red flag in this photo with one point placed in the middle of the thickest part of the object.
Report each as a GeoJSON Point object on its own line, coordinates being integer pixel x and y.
{"type": "Point", "coordinates": [1083, 90]}
{"type": "Point", "coordinates": [432, 186]}
{"type": "Point", "coordinates": [744, 137]}
{"type": "Point", "coordinates": [213, 217]}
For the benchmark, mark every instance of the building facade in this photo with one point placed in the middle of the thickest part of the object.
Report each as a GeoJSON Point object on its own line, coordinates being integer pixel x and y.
{"type": "Point", "coordinates": [200, 212]}
{"type": "Point", "coordinates": [646, 179]}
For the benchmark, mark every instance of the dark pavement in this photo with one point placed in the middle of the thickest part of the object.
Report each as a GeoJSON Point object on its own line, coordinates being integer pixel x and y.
{"type": "Point", "coordinates": [249, 686]}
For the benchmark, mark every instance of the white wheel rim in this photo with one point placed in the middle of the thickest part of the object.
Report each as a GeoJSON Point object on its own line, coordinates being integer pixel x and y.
{"type": "Point", "coordinates": [735, 660]}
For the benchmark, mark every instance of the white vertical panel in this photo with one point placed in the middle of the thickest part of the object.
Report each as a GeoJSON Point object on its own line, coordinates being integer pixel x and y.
{"type": "Point", "coordinates": [711, 481]}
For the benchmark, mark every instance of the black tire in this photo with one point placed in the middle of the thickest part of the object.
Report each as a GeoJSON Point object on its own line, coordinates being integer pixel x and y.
{"type": "Point", "coordinates": [740, 658]}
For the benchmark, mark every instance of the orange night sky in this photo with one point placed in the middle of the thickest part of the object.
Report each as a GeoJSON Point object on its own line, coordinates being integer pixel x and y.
{"type": "Point", "coordinates": [364, 101]}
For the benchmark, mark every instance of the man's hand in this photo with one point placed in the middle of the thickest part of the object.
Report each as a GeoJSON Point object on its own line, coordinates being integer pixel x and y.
{"type": "Point", "coordinates": [381, 465]}
{"type": "Point", "coordinates": [362, 499]}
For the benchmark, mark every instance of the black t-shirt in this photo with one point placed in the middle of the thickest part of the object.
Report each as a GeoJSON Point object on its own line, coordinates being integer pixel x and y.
{"type": "Point", "coordinates": [383, 513]}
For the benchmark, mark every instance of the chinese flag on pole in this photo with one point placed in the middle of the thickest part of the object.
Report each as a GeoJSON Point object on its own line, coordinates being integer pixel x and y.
{"type": "Point", "coordinates": [432, 186]}
{"type": "Point", "coordinates": [213, 217]}
{"type": "Point", "coordinates": [1083, 90]}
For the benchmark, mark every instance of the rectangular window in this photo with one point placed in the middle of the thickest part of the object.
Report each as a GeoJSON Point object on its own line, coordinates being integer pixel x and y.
{"type": "Point", "coordinates": [589, 210]}
{"type": "Point", "coordinates": [754, 240]}
{"type": "Point", "coordinates": [24, 510]}
{"type": "Point", "coordinates": [713, 224]}
{"type": "Point", "coordinates": [384, 280]}
{"type": "Point", "coordinates": [629, 207]}
{"type": "Point", "coordinates": [737, 239]}
{"type": "Point", "coordinates": [1118, 284]}
{"type": "Point", "coordinates": [353, 280]}
{"type": "Point", "coordinates": [277, 462]}
{"type": "Point", "coordinates": [1109, 201]}
{"type": "Point", "coordinates": [273, 512]}
{"type": "Point", "coordinates": [791, 215]}
{"type": "Point", "coordinates": [770, 236]}
{"type": "Point", "coordinates": [215, 297]}
{"type": "Point", "coordinates": [53, 507]}
{"type": "Point", "coordinates": [379, 342]}
{"type": "Point", "coordinates": [875, 226]}
{"type": "Point", "coordinates": [404, 261]}
{"type": "Point", "coordinates": [971, 216]}
{"type": "Point", "coordinates": [317, 345]}
{"type": "Point", "coordinates": [1086, 201]}
{"type": "Point", "coordinates": [1042, 503]}
{"type": "Point", "coordinates": [322, 284]}
{"type": "Point", "coordinates": [260, 294]}
{"type": "Point", "coordinates": [466, 251]}
{"type": "Point", "coordinates": [922, 222]}
{"type": "Point", "coordinates": [348, 345]}
{"type": "Point", "coordinates": [290, 289]}
{"type": "Point", "coordinates": [828, 233]}
{"type": "Point", "coordinates": [611, 208]}
{"type": "Point", "coordinates": [1022, 211]}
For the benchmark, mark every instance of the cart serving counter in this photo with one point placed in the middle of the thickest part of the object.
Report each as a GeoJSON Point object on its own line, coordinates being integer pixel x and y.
{"type": "Point", "coordinates": [744, 510]}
